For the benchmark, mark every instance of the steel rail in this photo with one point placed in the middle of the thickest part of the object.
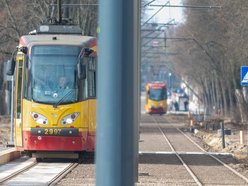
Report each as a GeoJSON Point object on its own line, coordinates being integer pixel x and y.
{"type": "Point", "coordinates": [186, 6]}
{"type": "Point", "coordinates": [9, 177]}
{"type": "Point", "coordinates": [221, 162]}
{"type": "Point", "coordinates": [179, 157]}
{"type": "Point", "coordinates": [62, 174]}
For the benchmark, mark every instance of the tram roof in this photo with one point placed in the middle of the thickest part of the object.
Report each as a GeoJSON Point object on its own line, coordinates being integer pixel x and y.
{"type": "Point", "coordinates": [156, 85]}
{"type": "Point", "coordinates": [56, 39]}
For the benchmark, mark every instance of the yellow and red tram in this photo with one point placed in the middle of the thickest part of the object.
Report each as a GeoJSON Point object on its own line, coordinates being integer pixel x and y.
{"type": "Point", "coordinates": [50, 120]}
{"type": "Point", "coordinates": [156, 98]}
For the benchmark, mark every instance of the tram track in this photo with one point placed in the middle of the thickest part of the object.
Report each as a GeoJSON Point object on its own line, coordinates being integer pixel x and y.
{"type": "Point", "coordinates": [33, 173]}
{"type": "Point", "coordinates": [158, 165]}
{"type": "Point", "coordinates": [181, 160]}
{"type": "Point", "coordinates": [12, 169]}
{"type": "Point", "coordinates": [62, 174]}
{"type": "Point", "coordinates": [217, 159]}
{"type": "Point", "coordinates": [197, 181]}
{"type": "Point", "coordinates": [187, 165]}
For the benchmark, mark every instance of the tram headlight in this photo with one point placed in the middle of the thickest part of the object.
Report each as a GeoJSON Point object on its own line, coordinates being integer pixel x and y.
{"type": "Point", "coordinates": [69, 119]}
{"type": "Point", "coordinates": [39, 118]}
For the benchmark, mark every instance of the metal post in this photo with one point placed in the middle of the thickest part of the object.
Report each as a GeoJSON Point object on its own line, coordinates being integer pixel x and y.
{"type": "Point", "coordinates": [206, 127]}
{"type": "Point", "coordinates": [11, 141]}
{"type": "Point", "coordinates": [223, 134]}
{"type": "Point", "coordinates": [242, 136]}
{"type": "Point", "coordinates": [170, 82]}
{"type": "Point", "coordinates": [116, 102]}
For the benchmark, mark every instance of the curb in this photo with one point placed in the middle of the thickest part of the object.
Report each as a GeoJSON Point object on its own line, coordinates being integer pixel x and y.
{"type": "Point", "coordinates": [9, 155]}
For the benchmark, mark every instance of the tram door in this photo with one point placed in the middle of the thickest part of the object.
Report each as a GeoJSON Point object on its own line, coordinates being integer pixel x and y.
{"type": "Point", "coordinates": [18, 101]}
{"type": "Point", "coordinates": [88, 79]}
{"type": "Point", "coordinates": [91, 79]}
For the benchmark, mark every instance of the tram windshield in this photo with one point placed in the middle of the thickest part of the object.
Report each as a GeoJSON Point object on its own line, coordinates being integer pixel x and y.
{"type": "Point", "coordinates": [53, 72]}
{"type": "Point", "coordinates": [157, 94]}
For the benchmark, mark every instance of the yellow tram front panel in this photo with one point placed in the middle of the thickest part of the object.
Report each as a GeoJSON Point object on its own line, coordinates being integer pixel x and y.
{"type": "Point", "coordinates": [156, 98]}
{"type": "Point", "coordinates": [65, 127]}
{"type": "Point", "coordinates": [47, 115]}
{"type": "Point", "coordinates": [156, 106]}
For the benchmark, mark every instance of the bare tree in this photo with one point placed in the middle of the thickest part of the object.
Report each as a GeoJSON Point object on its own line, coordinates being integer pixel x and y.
{"type": "Point", "coordinates": [16, 21]}
{"type": "Point", "coordinates": [213, 61]}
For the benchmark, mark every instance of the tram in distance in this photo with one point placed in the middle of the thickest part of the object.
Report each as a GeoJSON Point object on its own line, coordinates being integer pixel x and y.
{"type": "Point", "coordinates": [55, 92]}
{"type": "Point", "coordinates": [156, 98]}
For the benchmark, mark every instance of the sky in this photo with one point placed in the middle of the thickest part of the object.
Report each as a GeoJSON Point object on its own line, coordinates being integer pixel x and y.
{"type": "Point", "coordinates": [166, 14]}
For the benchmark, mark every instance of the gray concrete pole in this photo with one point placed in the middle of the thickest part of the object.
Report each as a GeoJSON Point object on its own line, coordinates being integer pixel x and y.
{"type": "Point", "coordinates": [117, 116]}
{"type": "Point", "coordinates": [136, 84]}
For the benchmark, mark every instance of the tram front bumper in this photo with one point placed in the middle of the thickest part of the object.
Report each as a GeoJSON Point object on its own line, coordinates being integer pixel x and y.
{"type": "Point", "coordinates": [54, 143]}
{"type": "Point", "coordinates": [156, 110]}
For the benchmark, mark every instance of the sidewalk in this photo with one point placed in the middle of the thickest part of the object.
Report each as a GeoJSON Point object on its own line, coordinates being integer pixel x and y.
{"type": "Point", "coordinates": [8, 154]}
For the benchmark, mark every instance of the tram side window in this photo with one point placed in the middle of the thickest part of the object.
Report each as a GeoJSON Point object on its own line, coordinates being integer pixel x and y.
{"type": "Point", "coordinates": [84, 89]}
{"type": "Point", "coordinates": [83, 83]}
{"type": "Point", "coordinates": [87, 86]}
{"type": "Point", "coordinates": [92, 78]}
{"type": "Point", "coordinates": [19, 89]}
{"type": "Point", "coordinates": [27, 80]}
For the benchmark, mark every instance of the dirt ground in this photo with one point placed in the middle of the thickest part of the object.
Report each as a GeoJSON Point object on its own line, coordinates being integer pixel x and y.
{"type": "Point", "coordinates": [210, 139]}
{"type": "Point", "coordinates": [213, 140]}
{"type": "Point", "coordinates": [4, 130]}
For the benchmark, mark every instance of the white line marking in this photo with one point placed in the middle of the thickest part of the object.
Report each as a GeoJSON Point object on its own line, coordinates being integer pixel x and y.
{"type": "Point", "coordinates": [184, 153]}
{"type": "Point", "coordinates": [178, 156]}
{"type": "Point", "coordinates": [231, 169]}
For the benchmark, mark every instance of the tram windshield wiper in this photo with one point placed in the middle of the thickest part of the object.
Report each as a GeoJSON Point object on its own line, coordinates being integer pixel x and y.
{"type": "Point", "coordinates": [65, 96]}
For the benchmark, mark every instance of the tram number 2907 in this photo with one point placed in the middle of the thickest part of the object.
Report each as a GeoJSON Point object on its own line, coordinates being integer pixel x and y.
{"type": "Point", "coordinates": [52, 131]}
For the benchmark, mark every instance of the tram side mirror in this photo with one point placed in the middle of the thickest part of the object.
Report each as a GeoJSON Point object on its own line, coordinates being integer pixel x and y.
{"type": "Point", "coordinates": [81, 68]}
{"type": "Point", "coordinates": [24, 50]}
{"type": "Point", "coordinates": [10, 68]}
{"type": "Point", "coordinates": [88, 51]}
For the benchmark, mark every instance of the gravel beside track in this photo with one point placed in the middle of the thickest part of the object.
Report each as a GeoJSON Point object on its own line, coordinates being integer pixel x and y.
{"type": "Point", "coordinates": [157, 163]}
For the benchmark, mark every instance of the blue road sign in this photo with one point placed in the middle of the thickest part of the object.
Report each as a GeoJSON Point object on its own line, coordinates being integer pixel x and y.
{"type": "Point", "coordinates": [244, 76]}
